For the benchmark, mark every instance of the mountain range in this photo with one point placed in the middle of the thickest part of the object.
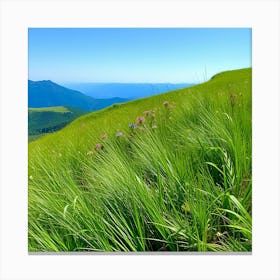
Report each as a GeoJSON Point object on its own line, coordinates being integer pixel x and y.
{"type": "Point", "coordinates": [49, 94]}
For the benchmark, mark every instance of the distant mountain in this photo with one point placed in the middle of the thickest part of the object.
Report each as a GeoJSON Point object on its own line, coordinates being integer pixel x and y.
{"type": "Point", "coordinates": [125, 90]}
{"type": "Point", "coordinates": [47, 94]}
{"type": "Point", "coordinates": [50, 119]}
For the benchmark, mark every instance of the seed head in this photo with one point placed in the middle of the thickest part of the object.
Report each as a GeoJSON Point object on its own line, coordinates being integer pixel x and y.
{"type": "Point", "coordinates": [171, 106]}
{"type": "Point", "coordinates": [147, 113]}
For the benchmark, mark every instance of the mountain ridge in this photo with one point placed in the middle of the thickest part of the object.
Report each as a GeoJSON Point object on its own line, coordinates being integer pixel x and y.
{"type": "Point", "coordinates": [46, 93]}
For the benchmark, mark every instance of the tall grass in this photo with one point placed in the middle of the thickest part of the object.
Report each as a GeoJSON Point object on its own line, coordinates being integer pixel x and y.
{"type": "Point", "coordinates": [178, 181]}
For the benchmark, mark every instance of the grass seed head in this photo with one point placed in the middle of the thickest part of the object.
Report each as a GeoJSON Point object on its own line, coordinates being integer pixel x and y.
{"type": "Point", "coordinates": [89, 153]}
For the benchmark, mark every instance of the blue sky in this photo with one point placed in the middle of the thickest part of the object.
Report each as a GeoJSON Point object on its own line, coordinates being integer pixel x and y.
{"type": "Point", "coordinates": [175, 55]}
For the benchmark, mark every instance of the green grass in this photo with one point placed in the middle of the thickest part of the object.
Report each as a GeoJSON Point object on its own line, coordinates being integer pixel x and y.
{"type": "Point", "coordinates": [46, 120]}
{"type": "Point", "coordinates": [59, 109]}
{"type": "Point", "coordinates": [181, 181]}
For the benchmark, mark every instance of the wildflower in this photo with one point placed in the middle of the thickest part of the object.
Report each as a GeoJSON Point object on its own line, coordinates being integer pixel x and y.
{"type": "Point", "coordinates": [165, 103]}
{"type": "Point", "coordinates": [89, 153]}
{"type": "Point", "coordinates": [154, 126]}
{"type": "Point", "coordinates": [98, 146]}
{"type": "Point", "coordinates": [119, 134]}
{"type": "Point", "coordinates": [104, 136]}
{"type": "Point", "coordinates": [141, 119]}
{"type": "Point", "coordinates": [131, 125]}
{"type": "Point", "coordinates": [147, 113]}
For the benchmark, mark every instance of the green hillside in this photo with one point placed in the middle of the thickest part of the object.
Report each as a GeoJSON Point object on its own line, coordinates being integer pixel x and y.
{"type": "Point", "coordinates": [167, 173]}
{"type": "Point", "coordinates": [49, 119]}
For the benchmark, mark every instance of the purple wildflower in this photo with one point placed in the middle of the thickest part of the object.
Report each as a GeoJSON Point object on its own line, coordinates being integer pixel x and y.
{"type": "Point", "coordinates": [98, 146]}
{"type": "Point", "coordinates": [141, 119]}
{"type": "Point", "coordinates": [165, 103]}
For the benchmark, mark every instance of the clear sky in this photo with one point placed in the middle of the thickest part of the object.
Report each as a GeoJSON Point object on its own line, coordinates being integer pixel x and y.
{"type": "Point", "coordinates": [175, 55]}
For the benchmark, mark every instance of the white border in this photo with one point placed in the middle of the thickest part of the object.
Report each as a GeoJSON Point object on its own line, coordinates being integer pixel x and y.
{"type": "Point", "coordinates": [17, 16]}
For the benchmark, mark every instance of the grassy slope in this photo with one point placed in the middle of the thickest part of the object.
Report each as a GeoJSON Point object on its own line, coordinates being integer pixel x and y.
{"type": "Point", "coordinates": [59, 109]}
{"type": "Point", "coordinates": [185, 185]}
{"type": "Point", "coordinates": [49, 119]}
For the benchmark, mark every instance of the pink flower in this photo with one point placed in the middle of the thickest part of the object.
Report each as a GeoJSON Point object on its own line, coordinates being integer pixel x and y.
{"type": "Point", "coordinates": [104, 136]}
{"type": "Point", "coordinates": [98, 146]}
{"type": "Point", "coordinates": [141, 119]}
{"type": "Point", "coordinates": [147, 113]}
{"type": "Point", "coordinates": [165, 103]}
